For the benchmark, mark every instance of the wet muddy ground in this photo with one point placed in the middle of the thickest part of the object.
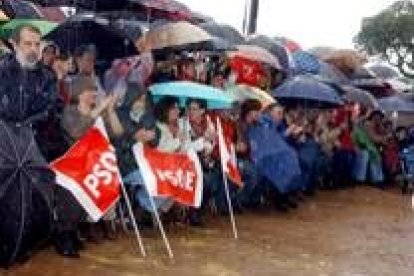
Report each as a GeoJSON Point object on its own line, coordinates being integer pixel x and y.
{"type": "Point", "coordinates": [354, 232]}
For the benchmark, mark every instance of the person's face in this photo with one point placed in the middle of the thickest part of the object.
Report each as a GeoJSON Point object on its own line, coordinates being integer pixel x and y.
{"type": "Point", "coordinates": [62, 67]}
{"type": "Point", "coordinates": [252, 117]}
{"type": "Point", "coordinates": [218, 81]}
{"type": "Point", "coordinates": [173, 113]}
{"type": "Point", "coordinates": [189, 71]}
{"type": "Point", "coordinates": [377, 119]}
{"type": "Point", "coordinates": [277, 114]}
{"type": "Point", "coordinates": [140, 102]}
{"type": "Point", "coordinates": [49, 55]}
{"type": "Point", "coordinates": [88, 98]}
{"type": "Point", "coordinates": [402, 134]}
{"type": "Point", "coordinates": [195, 113]}
{"type": "Point", "coordinates": [28, 48]}
{"type": "Point", "coordinates": [86, 63]}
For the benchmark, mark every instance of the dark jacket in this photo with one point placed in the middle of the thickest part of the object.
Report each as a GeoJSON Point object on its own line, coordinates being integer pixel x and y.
{"type": "Point", "coordinates": [25, 95]}
{"type": "Point", "coordinates": [124, 144]}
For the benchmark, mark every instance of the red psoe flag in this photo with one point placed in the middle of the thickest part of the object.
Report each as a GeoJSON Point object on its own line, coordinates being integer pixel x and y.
{"type": "Point", "coordinates": [90, 172]}
{"type": "Point", "coordinates": [228, 157]}
{"type": "Point", "coordinates": [175, 175]}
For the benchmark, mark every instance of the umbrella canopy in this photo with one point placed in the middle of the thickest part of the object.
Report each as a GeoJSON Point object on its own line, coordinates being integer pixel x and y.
{"type": "Point", "coordinates": [397, 103]}
{"type": "Point", "coordinates": [383, 71]}
{"type": "Point", "coordinates": [375, 86]}
{"type": "Point", "coordinates": [183, 90]}
{"type": "Point", "coordinates": [289, 44]}
{"type": "Point", "coordinates": [256, 53]}
{"type": "Point", "coordinates": [45, 27]}
{"type": "Point", "coordinates": [54, 14]}
{"type": "Point", "coordinates": [223, 31]}
{"type": "Point", "coordinates": [321, 52]}
{"type": "Point", "coordinates": [401, 85]}
{"type": "Point", "coordinates": [176, 36]}
{"type": "Point", "coordinates": [360, 96]}
{"type": "Point", "coordinates": [77, 31]}
{"type": "Point", "coordinates": [25, 193]}
{"type": "Point", "coordinates": [93, 5]}
{"type": "Point", "coordinates": [164, 5]}
{"type": "Point", "coordinates": [20, 9]}
{"type": "Point", "coordinates": [328, 72]}
{"type": "Point", "coordinates": [274, 48]}
{"type": "Point", "coordinates": [306, 62]}
{"type": "Point", "coordinates": [244, 92]}
{"type": "Point", "coordinates": [307, 91]}
{"type": "Point", "coordinates": [346, 60]}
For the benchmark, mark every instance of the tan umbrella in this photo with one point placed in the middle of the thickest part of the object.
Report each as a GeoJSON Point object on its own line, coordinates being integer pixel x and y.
{"type": "Point", "coordinates": [244, 92]}
{"type": "Point", "coordinates": [346, 60]}
{"type": "Point", "coordinates": [171, 35]}
{"type": "Point", "coordinates": [256, 53]}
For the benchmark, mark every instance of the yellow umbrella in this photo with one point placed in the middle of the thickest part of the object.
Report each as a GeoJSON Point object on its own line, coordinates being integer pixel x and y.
{"type": "Point", "coordinates": [244, 92]}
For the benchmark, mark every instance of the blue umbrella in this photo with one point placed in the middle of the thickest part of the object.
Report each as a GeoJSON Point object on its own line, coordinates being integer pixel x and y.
{"type": "Point", "coordinates": [308, 91]}
{"type": "Point", "coordinates": [329, 72]}
{"type": "Point", "coordinates": [183, 90]}
{"type": "Point", "coordinates": [396, 103]}
{"type": "Point", "coordinates": [306, 62]}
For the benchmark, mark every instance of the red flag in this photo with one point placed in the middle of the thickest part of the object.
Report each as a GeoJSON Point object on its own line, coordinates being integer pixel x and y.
{"type": "Point", "coordinates": [228, 157]}
{"type": "Point", "coordinates": [248, 71]}
{"type": "Point", "coordinates": [176, 175]}
{"type": "Point", "coordinates": [89, 171]}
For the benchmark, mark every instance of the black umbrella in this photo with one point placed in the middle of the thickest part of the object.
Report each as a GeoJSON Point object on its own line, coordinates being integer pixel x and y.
{"type": "Point", "coordinates": [26, 186]}
{"type": "Point", "coordinates": [223, 31]}
{"type": "Point", "coordinates": [110, 42]}
{"type": "Point", "coordinates": [273, 47]}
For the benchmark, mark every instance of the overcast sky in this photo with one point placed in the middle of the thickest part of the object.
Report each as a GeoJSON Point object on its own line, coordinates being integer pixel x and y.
{"type": "Point", "coordinates": [310, 22]}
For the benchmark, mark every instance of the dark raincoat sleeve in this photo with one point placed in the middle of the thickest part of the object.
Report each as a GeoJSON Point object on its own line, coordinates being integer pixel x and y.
{"type": "Point", "coordinates": [44, 99]}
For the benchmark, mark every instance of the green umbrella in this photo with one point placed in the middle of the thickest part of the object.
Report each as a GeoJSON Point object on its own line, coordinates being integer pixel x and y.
{"type": "Point", "coordinates": [7, 28]}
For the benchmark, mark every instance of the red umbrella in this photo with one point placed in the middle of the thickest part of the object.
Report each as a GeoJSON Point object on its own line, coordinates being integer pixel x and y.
{"type": "Point", "coordinates": [289, 44]}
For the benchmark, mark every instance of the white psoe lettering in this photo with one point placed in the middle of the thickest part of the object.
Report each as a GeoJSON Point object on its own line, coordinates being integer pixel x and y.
{"type": "Point", "coordinates": [179, 178]}
{"type": "Point", "coordinates": [102, 173]}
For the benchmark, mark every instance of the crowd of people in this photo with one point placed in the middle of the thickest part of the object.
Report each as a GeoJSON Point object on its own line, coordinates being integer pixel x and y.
{"type": "Point", "coordinates": [284, 154]}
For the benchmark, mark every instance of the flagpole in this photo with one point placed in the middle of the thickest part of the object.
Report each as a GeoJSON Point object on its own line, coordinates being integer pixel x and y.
{"type": "Point", "coordinates": [226, 185]}
{"type": "Point", "coordinates": [230, 206]}
{"type": "Point", "coordinates": [132, 217]}
{"type": "Point", "coordinates": [160, 226]}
